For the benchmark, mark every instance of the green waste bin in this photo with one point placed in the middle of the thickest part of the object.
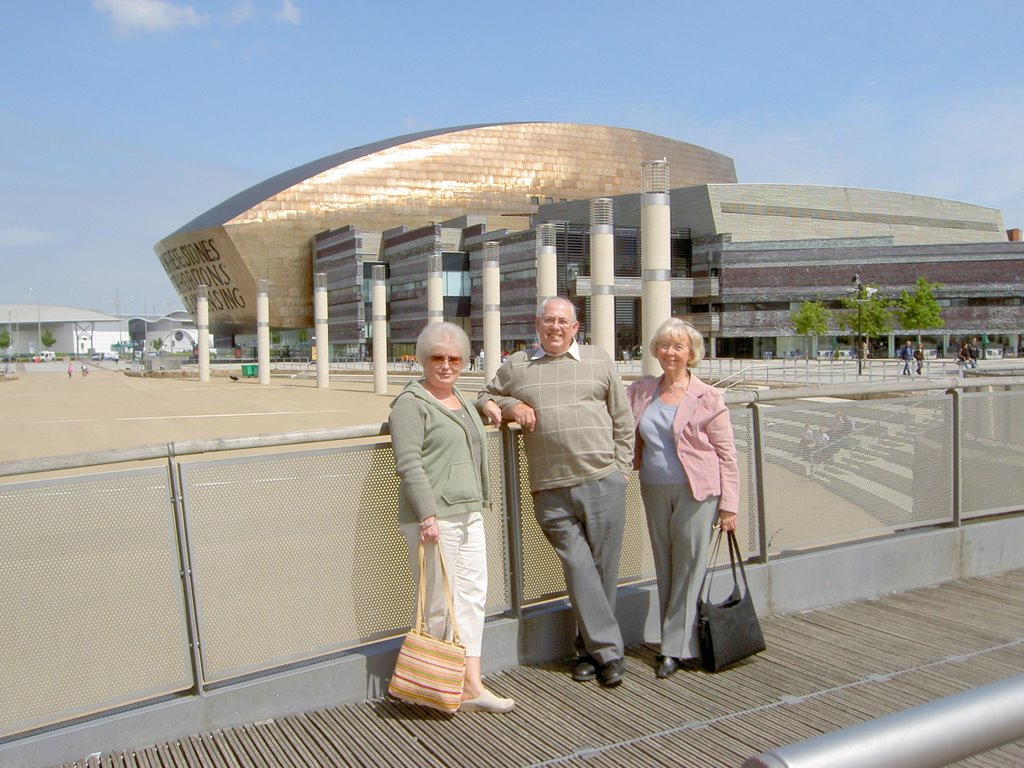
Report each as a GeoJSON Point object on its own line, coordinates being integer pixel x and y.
{"type": "Point", "coordinates": [249, 371]}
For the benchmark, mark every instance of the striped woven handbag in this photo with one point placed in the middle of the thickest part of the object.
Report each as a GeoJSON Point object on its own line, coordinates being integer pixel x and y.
{"type": "Point", "coordinates": [430, 672]}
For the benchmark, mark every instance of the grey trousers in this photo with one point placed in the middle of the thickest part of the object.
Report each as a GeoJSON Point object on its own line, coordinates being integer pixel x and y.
{"type": "Point", "coordinates": [680, 530]}
{"type": "Point", "coordinates": [585, 524]}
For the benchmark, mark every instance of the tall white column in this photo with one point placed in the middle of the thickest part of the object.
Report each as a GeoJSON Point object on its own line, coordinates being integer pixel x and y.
{"type": "Point", "coordinates": [492, 310]}
{"type": "Point", "coordinates": [435, 290]}
{"type": "Point", "coordinates": [379, 303]}
{"type": "Point", "coordinates": [203, 331]}
{"type": "Point", "coordinates": [263, 329]}
{"type": "Point", "coordinates": [547, 263]}
{"type": "Point", "coordinates": [323, 348]}
{"type": "Point", "coordinates": [602, 275]}
{"type": "Point", "coordinates": [655, 256]}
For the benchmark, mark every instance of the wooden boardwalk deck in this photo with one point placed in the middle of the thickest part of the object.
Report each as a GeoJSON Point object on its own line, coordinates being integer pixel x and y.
{"type": "Point", "coordinates": [823, 670]}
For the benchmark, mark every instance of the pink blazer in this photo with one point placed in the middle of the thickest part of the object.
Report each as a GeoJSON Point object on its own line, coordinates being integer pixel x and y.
{"type": "Point", "coordinates": [704, 441]}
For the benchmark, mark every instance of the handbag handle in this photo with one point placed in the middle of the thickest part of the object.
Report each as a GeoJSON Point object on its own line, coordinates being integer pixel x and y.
{"type": "Point", "coordinates": [421, 600]}
{"type": "Point", "coordinates": [734, 557]}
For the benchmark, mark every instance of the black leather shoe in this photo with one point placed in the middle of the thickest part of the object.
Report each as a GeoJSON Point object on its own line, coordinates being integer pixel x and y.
{"type": "Point", "coordinates": [585, 670]}
{"type": "Point", "coordinates": [667, 666]}
{"type": "Point", "coordinates": [611, 674]}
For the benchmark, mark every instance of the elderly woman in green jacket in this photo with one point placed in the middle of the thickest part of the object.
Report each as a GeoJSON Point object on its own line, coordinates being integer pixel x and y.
{"type": "Point", "coordinates": [441, 458]}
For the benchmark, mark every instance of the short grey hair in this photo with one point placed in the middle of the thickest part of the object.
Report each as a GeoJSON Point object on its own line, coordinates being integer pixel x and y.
{"type": "Point", "coordinates": [436, 334]}
{"type": "Point", "coordinates": [675, 329]}
{"type": "Point", "coordinates": [542, 308]}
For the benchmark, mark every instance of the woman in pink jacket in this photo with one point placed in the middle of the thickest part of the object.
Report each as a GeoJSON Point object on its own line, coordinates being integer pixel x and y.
{"type": "Point", "coordinates": [688, 479]}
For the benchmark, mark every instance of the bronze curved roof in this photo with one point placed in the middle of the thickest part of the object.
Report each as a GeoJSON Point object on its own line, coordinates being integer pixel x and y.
{"type": "Point", "coordinates": [504, 170]}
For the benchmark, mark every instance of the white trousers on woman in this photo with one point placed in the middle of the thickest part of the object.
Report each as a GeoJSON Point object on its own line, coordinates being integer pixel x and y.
{"type": "Point", "coordinates": [680, 529]}
{"type": "Point", "coordinates": [465, 555]}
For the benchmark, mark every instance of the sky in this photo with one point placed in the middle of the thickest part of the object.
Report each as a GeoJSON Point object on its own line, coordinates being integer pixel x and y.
{"type": "Point", "coordinates": [122, 120]}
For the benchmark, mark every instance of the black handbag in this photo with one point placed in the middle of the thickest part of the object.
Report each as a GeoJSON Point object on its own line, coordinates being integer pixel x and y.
{"type": "Point", "coordinates": [729, 631]}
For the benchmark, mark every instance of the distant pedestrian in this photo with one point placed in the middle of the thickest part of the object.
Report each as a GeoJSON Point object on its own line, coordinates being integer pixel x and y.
{"type": "Point", "coordinates": [85, 370]}
{"type": "Point", "coordinates": [906, 354]}
{"type": "Point", "coordinates": [973, 352]}
{"type": "Point", "coordinates": [71, 369]}
{"type": "Point", "coordinates": [963, 357]}
{"type": "Point", "coordinates": [919, 357]}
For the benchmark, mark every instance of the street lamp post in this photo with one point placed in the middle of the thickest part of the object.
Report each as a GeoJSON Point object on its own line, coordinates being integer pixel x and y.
{"type": "Point", "coordinates": [39, 322]}
{"type": "Point", "coordinates": [11, 347]}
{"type": "Point", "coordinates": [860, 304]}
{"type": "Point", "coordinates": [861, 290]}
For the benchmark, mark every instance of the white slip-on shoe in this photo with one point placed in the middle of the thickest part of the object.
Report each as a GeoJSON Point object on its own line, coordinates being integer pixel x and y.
{"type": "Point", "coordinates": [487, 702]}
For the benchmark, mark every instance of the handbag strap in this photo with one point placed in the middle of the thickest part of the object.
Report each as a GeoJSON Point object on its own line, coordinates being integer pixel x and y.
{"type": "Point", "coordinates": [709, 567]}
{"type": "Point", "coordinates": [734, 557]}
{"type": "Point", "coordinates": [421, 600]}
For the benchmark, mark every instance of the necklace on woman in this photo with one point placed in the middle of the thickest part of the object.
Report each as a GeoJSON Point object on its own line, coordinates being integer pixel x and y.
{"type": "Point", "coordinates": [677, 386]}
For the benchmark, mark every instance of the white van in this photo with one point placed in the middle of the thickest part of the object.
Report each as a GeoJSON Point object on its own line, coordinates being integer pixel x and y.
{"type": "Point", "coordinates": [47, 356]}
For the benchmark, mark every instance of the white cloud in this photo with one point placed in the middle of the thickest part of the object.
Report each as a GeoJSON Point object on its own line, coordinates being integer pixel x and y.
{"type": "Point", "coordinates": [148, 15]}
{"type": "Point", "coordinates": [242, 12]}
{"type": "Point", "coordinates": [289, 12]}
{"type": "Point", "coordinates": [14, 237]}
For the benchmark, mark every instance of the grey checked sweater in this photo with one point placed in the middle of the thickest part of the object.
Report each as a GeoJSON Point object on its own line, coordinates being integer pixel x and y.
{"type": "Point", "coordinates": [584, 424]}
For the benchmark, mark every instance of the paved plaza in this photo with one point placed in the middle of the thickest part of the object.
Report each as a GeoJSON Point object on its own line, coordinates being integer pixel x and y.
{"type": "Point", "coordinates": [43, 412]}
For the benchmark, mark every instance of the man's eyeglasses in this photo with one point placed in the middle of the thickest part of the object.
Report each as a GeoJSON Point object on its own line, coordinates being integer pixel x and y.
{"type": "Point", "coordinates": [561, 322]}
{"type": "Point", "coordinates": [453, 360]}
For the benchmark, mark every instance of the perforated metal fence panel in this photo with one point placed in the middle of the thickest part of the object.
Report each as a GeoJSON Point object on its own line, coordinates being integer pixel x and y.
{"type": "Point", "coordinates": [991, 452]}
{"type": "Point", "coordinates": [840, 471]}
{"type": "Point", "coordinates": [747, 526]}
{"type": "Point", "coordinates": [299, 555]}
{"type": "Point", "coordinates": [92, 603]}
{"type": "Point", "coordinates": [542, 571]}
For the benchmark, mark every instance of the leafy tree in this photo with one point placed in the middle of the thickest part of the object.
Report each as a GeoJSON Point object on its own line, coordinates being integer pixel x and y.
{"type": "Point", "coordinates": [48, 339]}
{"type": "Point", "coordinates": [919, 310]}
{"type": "Point", "coordinates": [871, 316]}
{"type": "Point", "coordinates": [811, 319]}
{"type": "Point", "coordinates": [157, 343]}
{"type": "Point", "coordinates": [302, 336]}
{"type": "Point", "coordinates": [5, 340]}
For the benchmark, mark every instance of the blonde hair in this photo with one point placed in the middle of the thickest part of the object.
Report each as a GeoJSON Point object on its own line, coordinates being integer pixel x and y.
{"type": "Point", "coordinates": [675, 329]}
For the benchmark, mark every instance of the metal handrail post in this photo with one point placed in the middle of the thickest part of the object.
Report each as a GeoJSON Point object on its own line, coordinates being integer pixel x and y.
{"type": "Point", "coordinates": [757, 446]}
{"type": "Point", "coordinates": [185, 572]}
{"type": "Point", "coordinates": [513, 516]}
{"type": "Point", "coordinates": [958, 477]}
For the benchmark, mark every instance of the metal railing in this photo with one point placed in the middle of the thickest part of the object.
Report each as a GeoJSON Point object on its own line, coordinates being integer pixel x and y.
{"type": "Point", "coordinates": [197, 571]}
{"type": "Point", "coordinates": [927, 736]}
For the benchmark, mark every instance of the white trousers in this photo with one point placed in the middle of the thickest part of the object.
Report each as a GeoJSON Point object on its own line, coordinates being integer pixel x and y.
{"type": "Point", "coordinates": [465, 554]}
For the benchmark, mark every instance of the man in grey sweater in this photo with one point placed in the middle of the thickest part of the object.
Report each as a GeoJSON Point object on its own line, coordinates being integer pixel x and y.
{"type": "Point", "coordinates": [578, 433]}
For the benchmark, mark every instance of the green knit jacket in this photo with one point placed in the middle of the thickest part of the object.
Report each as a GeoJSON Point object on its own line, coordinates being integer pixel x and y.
{"type": "Point", "coordinates": [434, 457]}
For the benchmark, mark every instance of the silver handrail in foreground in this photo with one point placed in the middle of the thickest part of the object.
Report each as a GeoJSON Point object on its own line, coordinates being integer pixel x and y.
{"type": "Point", "coordinates": [928, 736]}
